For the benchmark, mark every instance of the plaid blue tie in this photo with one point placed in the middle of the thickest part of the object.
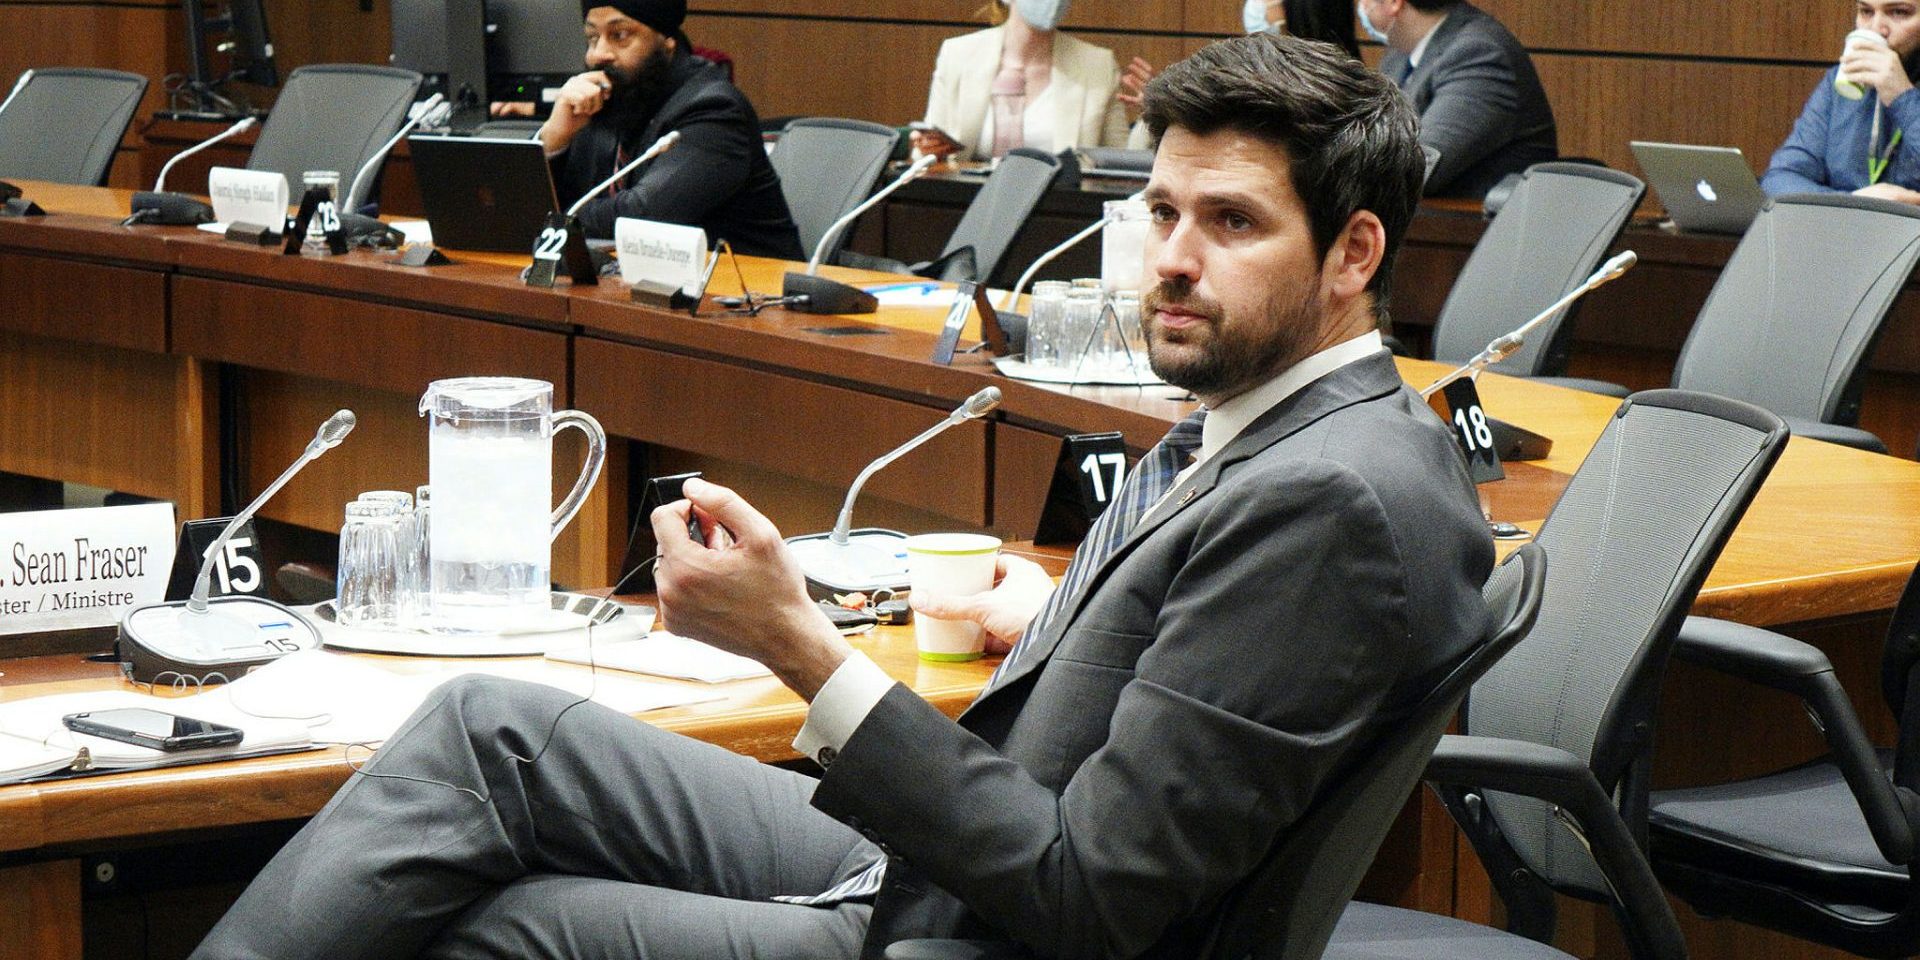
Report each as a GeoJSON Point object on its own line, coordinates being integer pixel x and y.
{"type": "Point", "coordinates": [1152, 477]}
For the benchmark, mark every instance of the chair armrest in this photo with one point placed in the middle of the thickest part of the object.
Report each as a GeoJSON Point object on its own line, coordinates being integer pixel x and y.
{"type": "Point", "coordinates": [1835, 433]}
{"type": "Point", "coordinates": [1769, 659]}
{"type": "Point", "coordinates": [956, 950]}
{"type": "Point", "coordinates": [1562, 779]}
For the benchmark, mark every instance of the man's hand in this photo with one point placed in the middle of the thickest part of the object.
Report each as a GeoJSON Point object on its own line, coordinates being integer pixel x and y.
{"type": "Point", "coordinates": [933, 143]}
{"type": "Point", "coordinates": [1890, 191]}
{"type": "Point", "coordinates": [1876, 66]}
{"type": "Point", "coordinates": [579, 99]}
{"type": "Point", "coordinates": [1133, 82]}
{"type": "Point", "coordinates": [743, 592]}
{"type": "Point", "coordinates": [1020, 589]}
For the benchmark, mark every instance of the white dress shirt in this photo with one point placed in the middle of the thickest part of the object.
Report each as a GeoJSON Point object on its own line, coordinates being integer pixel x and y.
{"type": "Point", "coordinates": [859, 683]}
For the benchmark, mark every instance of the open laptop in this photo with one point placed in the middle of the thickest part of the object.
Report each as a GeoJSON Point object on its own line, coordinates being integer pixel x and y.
{"type": "Point", "coordinates": [1705, 189]}
{"type": "Point", "coordinates": [482, 193]}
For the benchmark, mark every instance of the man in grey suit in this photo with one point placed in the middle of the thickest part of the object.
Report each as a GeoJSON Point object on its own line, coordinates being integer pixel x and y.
{"type": "Point", "coordinates": [1236, 632]}
{"type": "Point", "coordinates": [1480, 102]}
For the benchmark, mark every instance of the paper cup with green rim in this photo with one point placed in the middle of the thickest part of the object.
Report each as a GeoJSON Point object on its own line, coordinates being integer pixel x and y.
{"type": "Point", "coordinates": [950, 565]}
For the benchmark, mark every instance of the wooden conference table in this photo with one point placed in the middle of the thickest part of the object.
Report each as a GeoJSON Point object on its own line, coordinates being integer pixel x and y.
{"type": "Point", "coordinates": [113, 339]}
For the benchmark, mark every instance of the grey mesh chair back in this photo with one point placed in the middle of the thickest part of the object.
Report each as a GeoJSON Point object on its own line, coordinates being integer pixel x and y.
{"type": "Point", "coordinates": [333, 116]}
{"type": "Point", "coordinates": [65, 125]}
{"type": "Point", "coordinates": [828, 166]}
{"type": "Point", "coordinates": [998, 212]}
{"type": "Point", "coordinates": [1552, 234]}
{"type": "Point", "coordinates": [1287, 909]}
{"type": "Point", "coordinates": [1629, 544]}
{"type": "Point", "coordinates": [1800, 305]}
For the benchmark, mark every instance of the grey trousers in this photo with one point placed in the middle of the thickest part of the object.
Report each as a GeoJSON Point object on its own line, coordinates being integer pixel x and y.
{"type": "Point", "coordinates": [504, 820]}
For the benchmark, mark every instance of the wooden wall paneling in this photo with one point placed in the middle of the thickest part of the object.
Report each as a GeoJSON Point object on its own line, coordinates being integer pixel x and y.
{"type": "Point", "coordinates": [864, 70]}
{"type": "Point", "coordinates": [322, 336]}
{"type": "Point", "coordinates": [1022, 471]}
{"type": "Point", "coordinates": [42, 918]}
{"type": "Point", "coordinates": [1601, 103]}
{"type": "Point", "coordinates": [1770, 29]}
{"type": "Point", "coordinates": [633, 390]}
{"type": "Point", "coordinates": [140, 36]}
{"type": "Point", "coordinates": [119, 432]}
{"type": "Point", "coordinates": [1159, 15]}
{"type": "Point", "coordinates": [1221, 17]}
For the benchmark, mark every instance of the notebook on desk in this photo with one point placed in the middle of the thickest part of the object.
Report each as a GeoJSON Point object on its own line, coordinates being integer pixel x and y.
{"type": "Point", "coordinates": [1705, 189]}
{"type": "Point", "coordinates": [482, 193]}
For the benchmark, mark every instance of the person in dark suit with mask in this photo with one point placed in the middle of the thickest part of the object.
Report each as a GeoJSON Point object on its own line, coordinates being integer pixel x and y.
{"type": "Point", "coordinates": [1480, 102]}
{"type": "Point", "coordinates": [642, 82]}
{"type": "Point", "coordinates": [1274, 585]}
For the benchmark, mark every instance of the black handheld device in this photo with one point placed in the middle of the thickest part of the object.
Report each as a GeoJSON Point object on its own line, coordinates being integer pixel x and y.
{"type": "Point", "coordinates": [666, 490]}
{"type": "Point", "coordinates": [152, 728]}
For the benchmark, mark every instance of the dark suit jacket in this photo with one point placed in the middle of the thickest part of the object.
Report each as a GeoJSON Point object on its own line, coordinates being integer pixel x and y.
{"type": "Point", "coordinates": [716, 178]}
{"type": "Point", "coordinates": [1480, 103]}
{"type": "Point", "coordinates": [1245, 646]}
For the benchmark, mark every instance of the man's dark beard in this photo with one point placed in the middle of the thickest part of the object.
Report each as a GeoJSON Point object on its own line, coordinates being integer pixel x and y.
{"type": "Point", "coordinates": [641, 88]}
{"type": "Point", "coordinates": [1231, 360]}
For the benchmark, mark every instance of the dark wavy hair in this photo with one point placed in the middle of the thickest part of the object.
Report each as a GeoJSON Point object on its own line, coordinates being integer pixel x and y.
{"type": "Point", "coordinates": [1328, 21]}
{"type": "Point", "coordinates": [1351, 139]}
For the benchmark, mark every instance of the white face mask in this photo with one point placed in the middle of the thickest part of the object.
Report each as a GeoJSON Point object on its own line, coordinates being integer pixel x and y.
{"type": "Point", "coordinates": [1254, 17]}
{"type": "Point", "coordinates": [1366, 23]}
{"type": "Point", "coordinates": [1042, 14]}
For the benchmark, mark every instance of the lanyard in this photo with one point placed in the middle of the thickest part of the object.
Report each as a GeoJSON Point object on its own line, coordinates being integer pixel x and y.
{"type": "Point", "coordinates": [1877, 159]}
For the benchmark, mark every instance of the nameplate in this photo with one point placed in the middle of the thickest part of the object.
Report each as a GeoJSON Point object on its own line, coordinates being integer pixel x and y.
{"type": "Point", "coordinates": [247, 196]}
{"type": "Point", "coordinates": [665, 253]}
{"type": "Point", "coordinates": [69, 569]}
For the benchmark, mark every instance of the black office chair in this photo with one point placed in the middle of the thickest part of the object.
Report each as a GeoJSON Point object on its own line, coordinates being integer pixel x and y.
{"type": "Point", "coordinates": [1286, 909]}
{"type": "Point", "coordinates": [828, 166]}
{"type": "Point", "coordinates": [65, 124]}
{"type": "Point", "coordinates": [1825, 850]}
{"type": "Point", "coordinates": [1628, 546]}
{"type": "Point", "coordinates": [993, 221]}
{"type": "Point", "coordinates": [1551, 234]}
{"type": "Point", "coordinates": [333, 116]}
{"type": "Point", "coordinates": [999, 212]}
{"type": "Point", "coordinates": [1796, 313]}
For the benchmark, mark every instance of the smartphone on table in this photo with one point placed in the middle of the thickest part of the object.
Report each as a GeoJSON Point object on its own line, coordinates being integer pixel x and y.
{"type": "Point", "coordinates": [152, 728]}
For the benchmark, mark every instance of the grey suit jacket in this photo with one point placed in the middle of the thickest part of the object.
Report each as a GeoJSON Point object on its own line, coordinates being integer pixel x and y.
{"type": "Point", "coordinates": [1480, 103]}
{"type": "Point", "coordinates": [1246, 645]}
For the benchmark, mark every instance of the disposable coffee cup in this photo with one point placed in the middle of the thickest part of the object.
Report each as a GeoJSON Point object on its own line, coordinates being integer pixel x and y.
{"type": "Point", "coordinates": [950, 565]}
{"type": "Point", "coordinates": [1858, 38]}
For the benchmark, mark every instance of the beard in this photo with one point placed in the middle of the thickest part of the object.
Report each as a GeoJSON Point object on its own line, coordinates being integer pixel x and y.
{"type": "Point", "coordinates": [639, 88]}
{"type": "Point", "coordinates": [1218, 358]}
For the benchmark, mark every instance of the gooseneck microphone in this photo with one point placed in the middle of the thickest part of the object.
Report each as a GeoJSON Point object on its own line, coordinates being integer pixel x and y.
{"type": "Point", "coordinates": [157, 206]}
{"type": "Point", "coordinates": [659, 147]}
{"type": "Point", "coordinates": [357, 194]}
{"type": "Point", "coordinates": [18, 85]}
{"type": "Point", "coordinates": [334, 430]}
{"type": "Point", "coordinates": [1013, 295]}
{"type": "Point", "coordinates": [973, 408]}
{"type": "Point", "coordinates": [846, 560]}
{"type": "Point", "coordinates": [810, 293]}
{"type": "Point", "coordinates": [1504, 345]}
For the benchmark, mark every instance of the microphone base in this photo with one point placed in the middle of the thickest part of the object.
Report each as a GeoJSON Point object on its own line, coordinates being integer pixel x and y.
{"type": "Point", "coordinates": [21, 207]}
{"type": "Point", "coordinates": [872, 559]}
{"type": "Point", "coordinates": [1518, 444]}
{"type": "Point", "coordinates": [164, 641]}
{"type": "Point", "coordinates": [826, 296]}
{"type": "Point", "coordinates": [169, 209]}
{"type": "Point", "coordinates": [8, 191]}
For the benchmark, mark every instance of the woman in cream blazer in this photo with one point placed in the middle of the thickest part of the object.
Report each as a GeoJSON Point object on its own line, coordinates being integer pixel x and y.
{"type": "Point", "coordinates": [1084, 80]}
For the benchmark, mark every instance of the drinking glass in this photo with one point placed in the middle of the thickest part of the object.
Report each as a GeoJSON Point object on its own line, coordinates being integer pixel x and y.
{"type": "Point", "coordinates": [1046, 315]}
{"type": "Point", "coordinates": [369, 571]}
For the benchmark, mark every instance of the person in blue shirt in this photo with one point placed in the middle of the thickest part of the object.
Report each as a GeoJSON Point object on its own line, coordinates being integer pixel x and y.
{"type": "Point", "coordinates": [1869, 146]}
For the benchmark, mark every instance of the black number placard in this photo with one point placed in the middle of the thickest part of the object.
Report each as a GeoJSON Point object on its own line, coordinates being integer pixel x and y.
{"type": "Point", "coordinates": [1086, 476]}
{"type": "Point", "coordinates": [240, 567]}
{"type": "Point", "coordinates": [1472, 429]}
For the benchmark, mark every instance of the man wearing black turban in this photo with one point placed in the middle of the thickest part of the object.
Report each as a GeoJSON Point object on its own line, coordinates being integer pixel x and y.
{"type": "Point", "coordinates": [643, 81]}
